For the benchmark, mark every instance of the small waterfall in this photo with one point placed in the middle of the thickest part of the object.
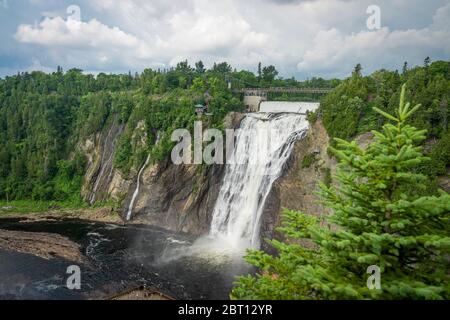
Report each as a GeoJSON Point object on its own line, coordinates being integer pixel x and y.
{"type": "Point", "coordinates": [138, 182]}
{"type": "Point", "coordinates": [262, 147]}
{"type": "Point", "coordinates": [136, 191]}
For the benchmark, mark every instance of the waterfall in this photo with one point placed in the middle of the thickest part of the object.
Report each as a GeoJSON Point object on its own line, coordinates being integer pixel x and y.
{"type": "Point", "coordinates": [138, 182]}
{"type": "Point", "coordinates": [136, 191]}
{"type": "Point", "coordinates": [262, 146]}
{"type": "Point", "coordinates": [288, 107]}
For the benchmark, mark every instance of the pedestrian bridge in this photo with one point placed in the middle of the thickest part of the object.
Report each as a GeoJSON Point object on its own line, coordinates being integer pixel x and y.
{"type": "Point", "coordinates": [265, 91]}
{"type": "Point", "coordinates": [253, 97]}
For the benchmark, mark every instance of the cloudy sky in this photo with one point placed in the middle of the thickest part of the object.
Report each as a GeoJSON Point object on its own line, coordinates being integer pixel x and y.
{"type": "Point", "coordinates": [303, 38]}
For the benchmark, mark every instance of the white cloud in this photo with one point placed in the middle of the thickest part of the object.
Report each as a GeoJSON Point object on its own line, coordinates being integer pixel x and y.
{"type": "Point", "coordinates": [321, 37]}
{"type": "Point", "coordinates": [85, 44]}
{"type": "Point", "coordinates": [72, 33]}
{"type": "Point", "coordinates": [336, 51]}
{"type": "Point", "coordinates": [182, 34]}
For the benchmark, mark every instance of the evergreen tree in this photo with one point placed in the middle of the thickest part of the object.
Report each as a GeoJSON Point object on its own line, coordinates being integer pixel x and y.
{"type": "Point", "coordinates": [199, 67]}
{"type": "Point", "coordinates": [357, 71]}
{"type": "Point", "coordinates": [405, 68]}
{"type": "Point", "coordinates": [379, 220]}
{"type": "Point", "coordinates": [222, 68]}
{"type": "Point", "coordinates": [269, 74]}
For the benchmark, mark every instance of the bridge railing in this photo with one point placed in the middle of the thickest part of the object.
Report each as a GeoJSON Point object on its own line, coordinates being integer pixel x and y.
{"type": "Point", "coordinates": [265, 91]}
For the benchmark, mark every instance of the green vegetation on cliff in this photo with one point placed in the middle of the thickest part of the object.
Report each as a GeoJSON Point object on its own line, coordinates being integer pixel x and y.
{"type": "Point", "coordinates": [46, 119]}
{"type": "Point", "coordinates": [349, 109]}
{"type": "Point", "coordinates": [379, 222]}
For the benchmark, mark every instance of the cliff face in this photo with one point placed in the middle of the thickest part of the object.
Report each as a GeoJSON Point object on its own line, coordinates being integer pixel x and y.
{"type": "Point", "coordinates": [176, 197]}
{"type": "Point", "coordinates": [102, 181]}
{"type": "Point", "coordinates": [295, 190]}
{"type": "Point", "coordinates": [182, 197]}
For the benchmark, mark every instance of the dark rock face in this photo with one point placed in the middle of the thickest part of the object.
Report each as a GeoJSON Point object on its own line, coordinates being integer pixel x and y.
{"type": "Point", "coordinates": [100, 172]}
{"type": "Point", "coordinates": [444, 181]}
{"type": "Point", "coordinates": [296, 188]}
{"type": "Point", "coordinates": [270, 219]}
{"type": "Point", "coordinates": [180, 197]}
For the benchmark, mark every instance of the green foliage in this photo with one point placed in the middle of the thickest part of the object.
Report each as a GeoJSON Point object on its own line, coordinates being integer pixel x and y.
{"type": "Point", "coordinates": [308, 160]}
{"type": "Point", "coordinates": [350, 109]}
{"type": "Point", "coordinates": [123, 154]}
{"type": "Point", "coordinates": [46, 118]}
{"type": "Point", "coordinates": [312, 117]}
{"type": "Point", "coordinates": [269, 74]}
{"type": "Point", "coordinates": [427, 86]}
{"type": "Point", "coordinates": [328, 179]}
{"type": "Point", "coordinates": [440, 157]}
{"type": "Point", "coordinates": [378, 220]}
{"type": "Point", "coordinates": [68, 181]}
{"type": "Point", "coordinates": [344, 106]}
{"type": "Point", "coordinates": [31, 206]}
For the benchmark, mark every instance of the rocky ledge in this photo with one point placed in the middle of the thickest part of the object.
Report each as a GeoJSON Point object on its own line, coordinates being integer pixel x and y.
{"type": "Point", "coordinates": [43, 245]}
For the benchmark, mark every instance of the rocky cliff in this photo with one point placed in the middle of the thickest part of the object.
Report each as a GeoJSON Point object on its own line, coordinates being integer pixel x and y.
{"type": "Point", "coordinates": [182, 197]}
{"type": "Point", "coordinates": [176, 197]}
{"type": "Point", "coordinates": [296, 189]}
{"type": "Point", "coordinates": [101, 178]}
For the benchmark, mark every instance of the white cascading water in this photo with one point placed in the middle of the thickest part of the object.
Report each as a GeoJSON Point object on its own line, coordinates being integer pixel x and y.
{"type": "Point", "coordinates": [263, 145]}
{"type": "Point", "coordinates": [138, 183]}
{"type": "Point", "coordinates": [136, 191]}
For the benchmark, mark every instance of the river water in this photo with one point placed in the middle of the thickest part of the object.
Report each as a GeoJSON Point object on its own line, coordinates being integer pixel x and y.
{"type": "Point", "coordinates": [119, 258]}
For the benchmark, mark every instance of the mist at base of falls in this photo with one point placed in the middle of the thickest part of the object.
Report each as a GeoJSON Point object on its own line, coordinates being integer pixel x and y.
{"type": "Point", "coordinates": [215, 250]}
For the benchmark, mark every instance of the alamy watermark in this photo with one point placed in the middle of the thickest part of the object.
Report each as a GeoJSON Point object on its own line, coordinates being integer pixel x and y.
{"type": "Point", "coordinates": [212, 147]}
{"type": "Point", "coordinates": [374, 280]}
{"type": "Point", "coordinates": [74, 280]}
{"type": "Point", "coordinates": [73, 13]}
{"type": "Point", "coordinates": [374, 20]}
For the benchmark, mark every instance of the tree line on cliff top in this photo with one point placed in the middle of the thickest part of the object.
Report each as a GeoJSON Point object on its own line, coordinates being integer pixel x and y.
{"type": "Point", "coordinates": [44, 117]}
